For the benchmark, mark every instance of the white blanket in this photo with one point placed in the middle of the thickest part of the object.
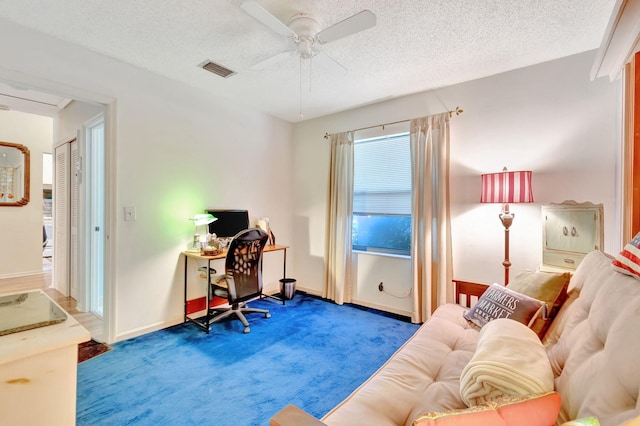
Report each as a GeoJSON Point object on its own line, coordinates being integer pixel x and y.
{"type": "Point", "coordinates": [509, 360]}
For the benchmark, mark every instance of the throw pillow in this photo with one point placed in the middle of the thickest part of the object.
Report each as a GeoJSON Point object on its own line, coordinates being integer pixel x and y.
{"type": "Point", "coordinates": [501, 302]}
{"type": "Point", "coordinates": [480, 415]}
{"type": "Point", "coordinates": [547, 287]}
{"type": "Point", "coordinates": [628, 260]}
{"type": "Point", "coordinates": [529, 410]}
{"type": "Point", "coordinates": [632, 422]}
{"type": "Point", "coordinates": [585, 421]}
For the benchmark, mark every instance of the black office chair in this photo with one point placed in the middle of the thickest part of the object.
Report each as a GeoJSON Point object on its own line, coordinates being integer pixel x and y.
{"type": "Point", "coordinates": [45, 239]}
{"type": "Point", "coordinates": [242, 280]}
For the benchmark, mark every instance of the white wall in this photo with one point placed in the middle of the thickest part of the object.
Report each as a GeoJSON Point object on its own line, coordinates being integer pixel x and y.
{"type": "Point", "coordinates": [549, 118]}
{"type": "Point", "coordinates": [177, 152]}
{"type": "Point", "coordinates": [21, 227]}
{"type": "Point", "coordinates": [71, 119]}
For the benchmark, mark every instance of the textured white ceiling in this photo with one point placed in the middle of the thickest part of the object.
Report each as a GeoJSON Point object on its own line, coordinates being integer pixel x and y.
{"type": "Point", "coordinates": [416, 45]}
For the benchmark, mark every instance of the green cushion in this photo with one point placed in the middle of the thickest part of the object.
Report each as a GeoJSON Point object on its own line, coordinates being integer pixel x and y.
{"type": "Point", "coordinates": [549, 287]}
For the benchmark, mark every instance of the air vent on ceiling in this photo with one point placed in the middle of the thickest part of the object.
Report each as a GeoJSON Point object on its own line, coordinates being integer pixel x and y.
{"type": "Point", "coordinates": [217, 69]}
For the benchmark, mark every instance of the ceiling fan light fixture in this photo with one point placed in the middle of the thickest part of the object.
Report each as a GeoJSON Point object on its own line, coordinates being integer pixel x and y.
{"type": "Point", "coordinates": [304, 30]}
{"type": "Point", "coordinates": [304, 26]}
{"type": "Point", "coordinates": [305, 48]}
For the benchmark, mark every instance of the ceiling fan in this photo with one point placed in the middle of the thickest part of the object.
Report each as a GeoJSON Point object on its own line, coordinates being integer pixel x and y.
{"type": "Point", "coordinates": [305, 31]}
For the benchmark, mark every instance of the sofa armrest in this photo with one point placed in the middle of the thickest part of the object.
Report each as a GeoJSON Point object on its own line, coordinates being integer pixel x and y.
{"type": "Point", "coordinates": [294, 416]}
{"type": "Point", "coordinates": [468, 290]}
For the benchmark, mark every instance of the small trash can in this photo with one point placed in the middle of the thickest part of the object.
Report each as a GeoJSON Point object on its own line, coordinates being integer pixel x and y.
{"type": "Point", "coordinates": [287, 288]}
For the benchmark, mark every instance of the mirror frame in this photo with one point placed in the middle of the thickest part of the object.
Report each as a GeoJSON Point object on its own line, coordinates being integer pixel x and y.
{"type": "Point", "coordinates": [27, 179]}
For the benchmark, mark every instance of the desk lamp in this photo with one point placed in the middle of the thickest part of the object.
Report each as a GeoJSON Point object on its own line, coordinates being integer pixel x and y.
{"type": "Point", "coordinates": [201, 220]}
{"type": "Point", "coordinates": [506, 187]}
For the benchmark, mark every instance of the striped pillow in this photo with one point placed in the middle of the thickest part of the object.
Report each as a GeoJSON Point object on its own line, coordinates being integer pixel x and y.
{"type": "Point", "coordinates": [628, 261]}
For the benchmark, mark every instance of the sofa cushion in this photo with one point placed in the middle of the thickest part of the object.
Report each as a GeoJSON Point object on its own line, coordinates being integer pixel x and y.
{"type": "Point", "coordinates": [548, 287]}
{"type": "Point", "coordinates": [423, 374]}
{"type": "Point", "coordinates": [526, 410]}
{"type": "Point", "coordinates": [595, 360]}
{"type": "Point", "coordinates": [509, 360]}
{"type": "Point", "coordinates": [500, 302]}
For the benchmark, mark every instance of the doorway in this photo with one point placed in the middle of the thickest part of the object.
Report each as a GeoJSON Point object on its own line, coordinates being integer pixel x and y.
{"type": "Point", "coordinates": [47, 211]}
{"type": "Point", "coordinates": [105, 105]}
{"type": "Point", "coordinates": [78, 197]}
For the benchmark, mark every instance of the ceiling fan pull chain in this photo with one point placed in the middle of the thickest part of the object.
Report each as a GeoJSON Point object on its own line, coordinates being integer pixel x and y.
{"type": "Point", "coordinates": [310, 65]}
{"type": "Point", "coordinates": [300, 112]}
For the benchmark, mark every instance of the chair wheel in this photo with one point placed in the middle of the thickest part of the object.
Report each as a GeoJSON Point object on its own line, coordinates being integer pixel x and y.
{"type": "Point", "coordinates": [247, 330]}
{"type": "Point", "coordinates": [267, 315]}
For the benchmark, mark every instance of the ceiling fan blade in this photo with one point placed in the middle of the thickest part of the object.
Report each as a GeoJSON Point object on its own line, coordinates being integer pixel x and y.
{"type": "Point", "coordinates": [330, 64]}
{"type": "Point", "coordinates": [263, 15]}
{"type": "Point", "coordinates": [356, 23]}
{"type": "Point", "coordinates": [264, 64]}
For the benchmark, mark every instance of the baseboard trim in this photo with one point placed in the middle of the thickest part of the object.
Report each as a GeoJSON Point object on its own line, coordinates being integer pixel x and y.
{"type": "Point", "coordinates": [144, 330]}
{"type": "Point", "coordinates": [310, 291]}
{"type": "Point", "coordinates": [381, 307]}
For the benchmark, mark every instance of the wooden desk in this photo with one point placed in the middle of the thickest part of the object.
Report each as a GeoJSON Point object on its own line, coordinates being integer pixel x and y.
{"type": "Point", "coordinates": [191, 306]}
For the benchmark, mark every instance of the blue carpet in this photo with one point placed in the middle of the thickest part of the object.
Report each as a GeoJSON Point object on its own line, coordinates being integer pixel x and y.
{"type": "Point", "coordinates": [311, 353]}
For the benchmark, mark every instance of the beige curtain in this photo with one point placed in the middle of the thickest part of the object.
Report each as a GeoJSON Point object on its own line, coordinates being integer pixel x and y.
{"type": "Point", "coordinates": [338, 268]}
{"type": "Point", "coordinates": [431, 230]}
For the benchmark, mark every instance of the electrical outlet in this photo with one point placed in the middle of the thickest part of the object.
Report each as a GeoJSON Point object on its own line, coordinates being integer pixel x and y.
{"type": "Point", "coordinates": [380, 287]}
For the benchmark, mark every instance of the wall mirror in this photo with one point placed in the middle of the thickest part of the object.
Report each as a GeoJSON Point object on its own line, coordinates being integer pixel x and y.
{"type": "Point", "coordinates": [14, 174]}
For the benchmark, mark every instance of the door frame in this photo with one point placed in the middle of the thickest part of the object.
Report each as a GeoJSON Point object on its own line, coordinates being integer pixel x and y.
{"type": "Point", "coordinates": [109, 104]}
{"type": "Point", "coordinates": [631, 149]}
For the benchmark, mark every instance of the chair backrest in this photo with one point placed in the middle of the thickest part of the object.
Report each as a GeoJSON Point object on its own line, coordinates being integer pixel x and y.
{"type": "Point", "coordinates": [45, 239]}
{"type": "Point", "coordinates": [243, 265]}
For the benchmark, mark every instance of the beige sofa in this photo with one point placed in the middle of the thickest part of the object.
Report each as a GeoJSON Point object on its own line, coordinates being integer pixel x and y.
{"type": "Point", "coordinates": [593, 347]}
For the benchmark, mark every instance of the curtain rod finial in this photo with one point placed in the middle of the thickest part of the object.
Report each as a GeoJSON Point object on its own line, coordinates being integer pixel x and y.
{"type": "Point", "coordinates": [458, 111]}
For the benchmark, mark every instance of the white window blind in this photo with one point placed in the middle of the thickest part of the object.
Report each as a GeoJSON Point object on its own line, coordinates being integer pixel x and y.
{"type": "Point", "coordinates": [382, 176]}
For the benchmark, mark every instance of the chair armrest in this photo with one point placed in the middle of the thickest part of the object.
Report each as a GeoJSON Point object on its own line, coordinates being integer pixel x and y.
{"type": "Point", "coordinates": [294, 416]}
{"type": "Point", "coordinates": [468, 289]}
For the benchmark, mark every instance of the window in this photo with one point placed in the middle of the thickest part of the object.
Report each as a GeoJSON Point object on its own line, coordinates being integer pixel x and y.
{"type": "Point", "coordinates": [382, 195]}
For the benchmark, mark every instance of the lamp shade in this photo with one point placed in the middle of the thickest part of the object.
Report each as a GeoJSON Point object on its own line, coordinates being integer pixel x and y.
{"type": "Point", "coordinates": [203, 219]}
{"type": "Point", "coordinates": [507, 187]}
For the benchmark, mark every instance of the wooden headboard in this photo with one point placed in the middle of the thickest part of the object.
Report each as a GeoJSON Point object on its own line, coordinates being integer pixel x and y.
{"type": "Point", "coordinates": [468, 293]}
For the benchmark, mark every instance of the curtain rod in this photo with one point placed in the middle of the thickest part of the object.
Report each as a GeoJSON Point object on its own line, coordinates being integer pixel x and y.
{"type": "Point", "coordinates": [457, 111]}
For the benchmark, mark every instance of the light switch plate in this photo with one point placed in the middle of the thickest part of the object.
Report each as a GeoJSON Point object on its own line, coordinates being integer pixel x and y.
{"type": "Point", "coordinates": [129, 214]}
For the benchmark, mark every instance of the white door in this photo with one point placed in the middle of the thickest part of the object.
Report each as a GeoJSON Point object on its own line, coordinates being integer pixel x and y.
{"type": "Point", "coordinates": [61, 219]}
{"type": "Point", "coordinates": [74, 218]}
{"type": "Point", "coordinates": [94, 134]}
{"type": "Point", "coordinates": [66, 219]}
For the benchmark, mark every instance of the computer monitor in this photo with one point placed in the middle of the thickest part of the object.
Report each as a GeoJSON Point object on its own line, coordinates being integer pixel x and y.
{"type": "Point", "coordinates": [229, 222]}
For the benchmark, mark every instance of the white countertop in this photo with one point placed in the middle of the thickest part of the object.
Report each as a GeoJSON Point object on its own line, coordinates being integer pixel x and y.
{"type": "Point", "coordinates": [46, 338]}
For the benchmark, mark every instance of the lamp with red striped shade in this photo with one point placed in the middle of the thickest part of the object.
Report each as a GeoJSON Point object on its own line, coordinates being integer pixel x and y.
{"type": "Point", "coordinates": [506, 187]}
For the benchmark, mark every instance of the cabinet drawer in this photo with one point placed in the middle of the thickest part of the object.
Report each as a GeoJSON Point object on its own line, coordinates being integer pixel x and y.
{"type": "Point", "coordinates": [562, 260]}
